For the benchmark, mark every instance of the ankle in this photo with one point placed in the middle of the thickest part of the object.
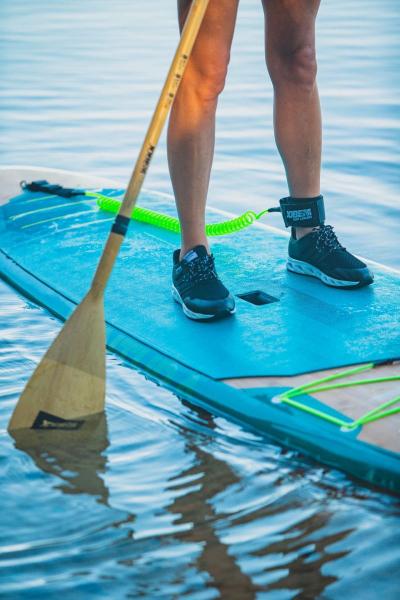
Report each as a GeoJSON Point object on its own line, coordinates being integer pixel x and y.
{"type": "Point", "coordinates": [186, 247]}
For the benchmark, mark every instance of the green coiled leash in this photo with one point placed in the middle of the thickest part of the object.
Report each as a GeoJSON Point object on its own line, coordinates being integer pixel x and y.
{"type": "Point", "coordinates": [146, 215]}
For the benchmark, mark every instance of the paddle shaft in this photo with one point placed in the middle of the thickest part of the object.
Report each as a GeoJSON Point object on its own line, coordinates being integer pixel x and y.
{"type": "Point", "coordinates": [68, 385]}
{"type": "Point", "coordinates": [168, 93]}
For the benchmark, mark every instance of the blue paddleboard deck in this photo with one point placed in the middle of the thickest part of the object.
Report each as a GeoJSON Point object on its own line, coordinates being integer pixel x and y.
{"type": "Point", "coordinates": [306, 326]}
{"type": "Point", "coordinates": [50, 247]}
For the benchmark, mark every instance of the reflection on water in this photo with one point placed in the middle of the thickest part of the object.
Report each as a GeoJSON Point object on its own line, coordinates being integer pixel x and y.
{"type": "Point", "coordinates": [77, 457]}
{"type": "Point", "coordinates": [160, 499]}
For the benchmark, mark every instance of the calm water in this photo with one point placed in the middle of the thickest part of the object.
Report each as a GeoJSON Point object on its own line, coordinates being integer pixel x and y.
{"type": "Point", "coordinates": [162, 500]}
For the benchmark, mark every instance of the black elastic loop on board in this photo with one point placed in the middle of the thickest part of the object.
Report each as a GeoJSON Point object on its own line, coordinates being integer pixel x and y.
{"type": "Point", "coordinates": [120, 225]}
{"type": "Point", "coordinates": [41, 185]}
{"type": "Point", "coordinates": [303, 212]}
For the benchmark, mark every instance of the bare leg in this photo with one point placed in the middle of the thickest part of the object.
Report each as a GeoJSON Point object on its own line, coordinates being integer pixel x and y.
{"type": "Point", "coordinates": [191, 131]}
{"type": "Point", "coordinates": [290, 55]}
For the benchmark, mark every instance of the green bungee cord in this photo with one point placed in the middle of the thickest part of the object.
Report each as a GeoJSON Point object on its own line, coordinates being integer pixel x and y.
{"type": "Point", "coordinates": [146, 215]}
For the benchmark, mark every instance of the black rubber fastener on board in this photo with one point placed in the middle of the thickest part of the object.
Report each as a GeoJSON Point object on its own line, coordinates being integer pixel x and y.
{"type": "Point", "coordinates": [41, 185]}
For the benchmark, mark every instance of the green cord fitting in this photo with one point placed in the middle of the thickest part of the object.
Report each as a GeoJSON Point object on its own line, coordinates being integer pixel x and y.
{"type": "Point", "coordinates": [146, 215]}
{"type": "Point", "coordinates": [375, 414]}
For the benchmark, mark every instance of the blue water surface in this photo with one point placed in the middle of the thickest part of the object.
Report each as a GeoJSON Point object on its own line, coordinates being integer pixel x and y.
{"type": "Point", "coordinates": [163, 500]}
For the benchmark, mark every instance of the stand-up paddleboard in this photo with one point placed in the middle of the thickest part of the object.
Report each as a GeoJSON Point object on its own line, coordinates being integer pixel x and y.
{"type": "Point", "coordinates": [295, 362]}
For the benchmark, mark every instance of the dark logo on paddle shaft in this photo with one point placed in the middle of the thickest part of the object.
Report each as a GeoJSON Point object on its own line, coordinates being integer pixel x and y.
{"type": "Point", "coordinates": [45, 420]}
{"type": "Point", "coordinates": [147, 159]}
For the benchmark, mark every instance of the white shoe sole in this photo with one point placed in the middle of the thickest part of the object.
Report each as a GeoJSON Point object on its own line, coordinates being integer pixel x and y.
{"type": "Point", "coordinates": [302, 268]}
{"type": "Point", "coordinates": [189, 313]}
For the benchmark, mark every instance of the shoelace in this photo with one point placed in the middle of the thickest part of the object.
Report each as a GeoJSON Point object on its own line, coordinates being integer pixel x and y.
{"type": "Point", "coordinates": [200, 269]}
{"type": "Point", "coordinates": [326, 239]}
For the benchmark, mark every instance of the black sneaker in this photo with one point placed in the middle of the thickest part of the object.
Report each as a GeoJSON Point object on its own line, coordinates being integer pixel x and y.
{"type": "Point", "coordinates": [320, 254]}
{"type": "Point", "coordinates": [197, 287]}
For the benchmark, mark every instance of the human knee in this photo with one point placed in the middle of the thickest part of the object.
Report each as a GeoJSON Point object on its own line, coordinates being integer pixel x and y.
{"type": "Point", "coordinates": [297, 66]}
{"type": "Point", "coordinates": [206, 78]}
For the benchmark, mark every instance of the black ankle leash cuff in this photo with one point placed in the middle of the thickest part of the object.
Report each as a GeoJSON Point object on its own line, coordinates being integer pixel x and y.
{"type": "Point", "coordinates": [303, 212]}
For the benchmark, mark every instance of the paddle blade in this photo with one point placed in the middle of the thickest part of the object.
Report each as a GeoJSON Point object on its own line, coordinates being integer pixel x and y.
{"type": "Point", "coordinates": [69, 382]}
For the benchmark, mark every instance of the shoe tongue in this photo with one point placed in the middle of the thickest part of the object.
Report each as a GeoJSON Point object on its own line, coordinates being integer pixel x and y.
{"type": "Point", "coordinates": [196, 252]}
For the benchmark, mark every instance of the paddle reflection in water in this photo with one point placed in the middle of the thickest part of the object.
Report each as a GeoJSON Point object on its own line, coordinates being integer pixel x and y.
{"type": "Point", "coordinates": [77, 457]}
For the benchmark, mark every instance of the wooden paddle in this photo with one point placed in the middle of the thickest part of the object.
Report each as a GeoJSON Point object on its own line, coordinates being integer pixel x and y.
{"type": "Point", "coordinates": [69, 382]}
